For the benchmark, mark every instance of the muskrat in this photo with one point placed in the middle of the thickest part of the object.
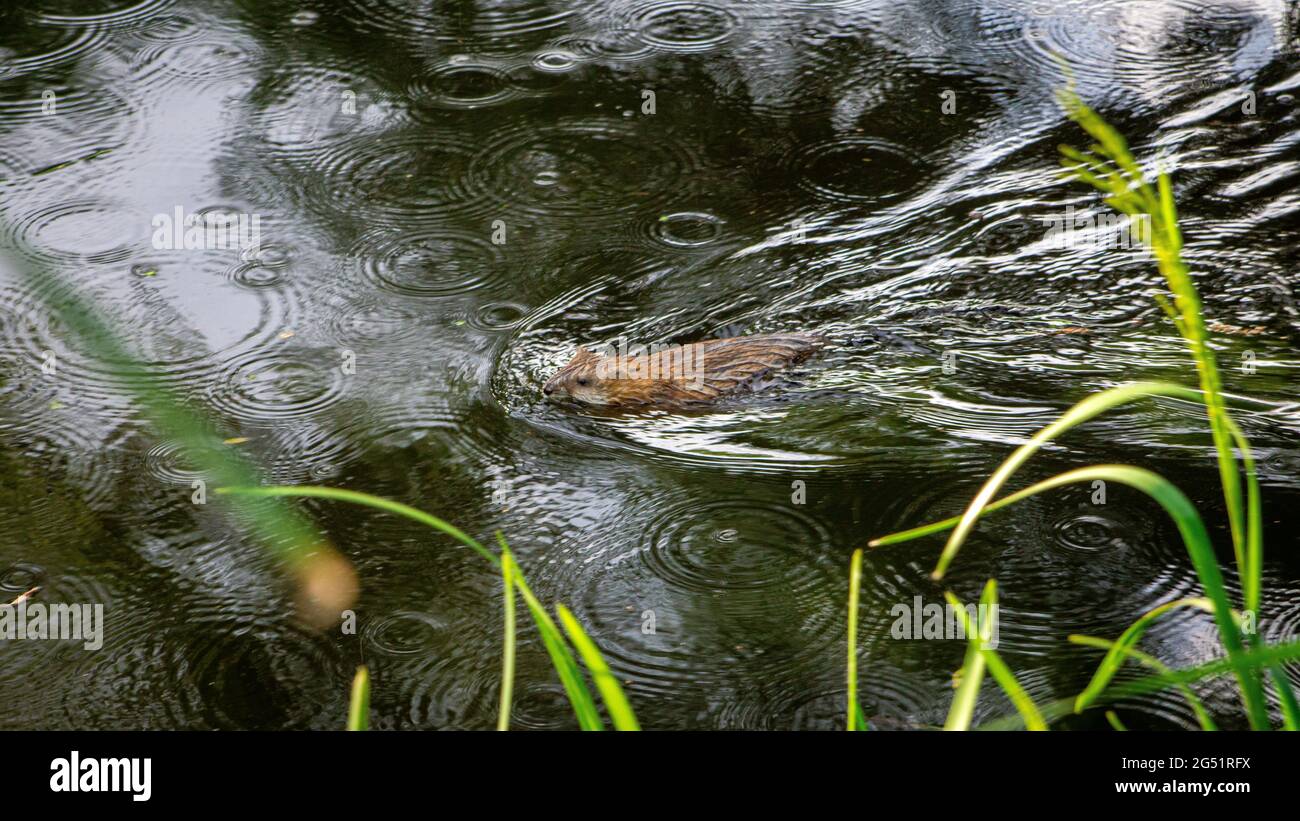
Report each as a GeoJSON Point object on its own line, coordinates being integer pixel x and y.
{"type": "Point", "coordinates": [679, 374]}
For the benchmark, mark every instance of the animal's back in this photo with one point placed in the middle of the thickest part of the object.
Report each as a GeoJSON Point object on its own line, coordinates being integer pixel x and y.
{"type": "Point", "coordinates": [706, 370]}
{"type": "Point", "coordinates": [728, 363]}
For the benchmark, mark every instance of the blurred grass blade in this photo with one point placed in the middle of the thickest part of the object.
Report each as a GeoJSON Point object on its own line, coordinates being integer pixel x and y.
{"type": "Point", "coordinates": [855, 589]}
{"type": "Point", "coordinates": [964, 700]}
{"type": "Point", "coordinates": [1114, 721]}
{"type": "Point", "coordinates": [584, 706]}
{"type": "Point", "coordinates": [359, 704]}
{"type": "Point", "coordinates": [326, 581]}
{"type": "Point", "coordinates": [1110, 664]}
{"type": "Point", "coordinates": [620, 711]}
{"type": "Point", "coordinates": [1198, 709]}
{"type": "Point", "coordinates": [508, 644]}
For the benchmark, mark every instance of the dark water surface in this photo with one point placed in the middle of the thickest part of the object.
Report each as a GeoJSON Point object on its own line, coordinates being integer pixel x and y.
{"type": "Point", "coordinates": [457, 194]}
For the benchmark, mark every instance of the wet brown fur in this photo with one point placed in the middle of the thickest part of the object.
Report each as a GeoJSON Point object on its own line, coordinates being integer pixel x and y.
{"type": "Point", "coordinates": [683, 375]}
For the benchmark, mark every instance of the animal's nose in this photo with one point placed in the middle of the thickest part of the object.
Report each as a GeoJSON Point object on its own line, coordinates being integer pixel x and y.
{"type": "Point", "coordinates": [548, 390]}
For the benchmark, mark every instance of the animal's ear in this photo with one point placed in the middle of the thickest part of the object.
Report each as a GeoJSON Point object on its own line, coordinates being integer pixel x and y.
{"type": "Point", "coordinates": [583, 354]}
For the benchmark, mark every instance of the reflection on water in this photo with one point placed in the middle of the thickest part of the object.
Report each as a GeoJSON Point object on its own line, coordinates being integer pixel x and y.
{"type": "Point", "coordinates": [452, 196]}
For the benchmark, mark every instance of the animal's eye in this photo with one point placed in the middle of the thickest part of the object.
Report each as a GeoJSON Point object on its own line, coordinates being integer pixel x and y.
{"type": "Point", "coordinates": [582, 380]}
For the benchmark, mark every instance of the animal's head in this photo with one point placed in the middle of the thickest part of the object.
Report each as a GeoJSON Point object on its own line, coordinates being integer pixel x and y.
{"type": "Point", "coordinates": [582, 379]}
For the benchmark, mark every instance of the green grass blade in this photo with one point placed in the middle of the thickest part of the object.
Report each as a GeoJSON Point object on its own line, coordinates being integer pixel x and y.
{"type": "Point", "coordinates": [1286, 697]}
{"type": "Point", "coordinates": [620, 711]}
{"type": "Point", "coordinates": [855, 590]}
{"type": "Point", "coordinates": [861, 716]}
{"type": "Point", "coordinates": [1131, 193]}
{"type": "Point", "coordinates": [1082, 412]}
{"type": "Point", "coordinates": [1050, 710]}
{"type": "Point", "coordinates": [1267, 655]}
{"type": "Point", "coordinates": [997, 668]}
{"type": "Point", "coordinates": [1252, 565]}
{"type": "Point", "coordinates": [584, 706]}
{"type": "Point", "coordinates": [1262, 657]}
{"type": "Point", "coordinates": [1110, 664]}
{"type": "Point", "coordinates": [1197, 541]}
{"type": "Point", "coordinates": [1254, 659]}
{"type": "Point", "coordinates": [1252, 573]}
{"type": "Point", "coordinates": [1113, 720]}
{"type": "Point", "coordinates": [945, 524]}
{"type": "Point", "coordinates": [964, 700]}
{"type": "Point", "coordinates": [368, 500]}
{"type": "Point", "coordinates": [1198, 709]}
{"type": "Point", "coordinates": [359, 704]}
{"type": "Point", "coordinates": [508, 645]}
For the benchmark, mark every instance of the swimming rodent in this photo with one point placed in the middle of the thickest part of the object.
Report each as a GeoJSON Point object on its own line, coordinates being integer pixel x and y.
{"type": "Point", "coordinates": [689, 374]}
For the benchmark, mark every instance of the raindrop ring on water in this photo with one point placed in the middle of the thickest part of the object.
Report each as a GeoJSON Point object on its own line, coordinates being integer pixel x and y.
{"type": "Point", "coordinates": [687, 229]}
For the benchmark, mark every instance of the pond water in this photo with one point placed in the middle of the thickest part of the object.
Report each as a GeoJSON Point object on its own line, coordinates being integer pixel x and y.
{"type": "Point", "coordinates": [452, 196]}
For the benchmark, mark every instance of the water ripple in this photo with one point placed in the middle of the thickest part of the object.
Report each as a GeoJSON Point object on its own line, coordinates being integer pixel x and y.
{"type": "Point", "coordinates": [500, 26]}
{"type": "Point", "coordinates": [461, 84]}
{"type": "Point", "coordinates": [103, 13]}
{"type": "Point", "coordinates": [79, 231]}
{"type": "Point", "coordinates": [48, 46]}
{"type": "Point", "coordinates": [854, 169]}
{"type": "Point", "coordinates": [576, 168]}
{"type": "Point", "coordinates": [683, 25]}
{"type": "Point", "coordinates": [734, 545]}
{"type": "Point", "coordinates": [191, 63]}
{"type": "Point", "coordinates": [429, 262]}
{"type": "Point", "coordinates": [610, 43]}
{"type": "Point", "coordinates": [397, 177]}
{"type": "Point", "coordinates": [278, 385]}
{"type": "Point", "coordinates": [255, 676]}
